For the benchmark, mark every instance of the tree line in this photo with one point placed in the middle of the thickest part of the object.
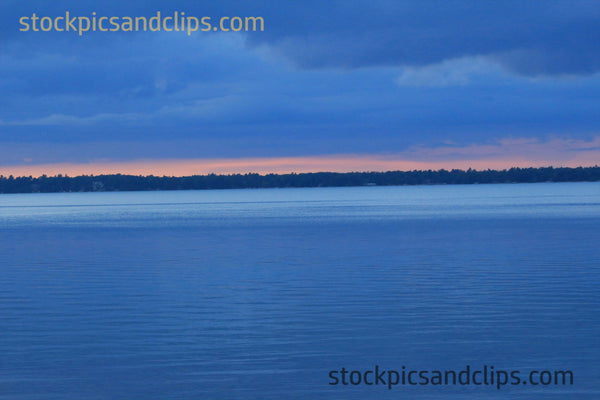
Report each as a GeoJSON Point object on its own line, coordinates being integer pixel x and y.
{"type": "Point", "coordinates": [119, 182]}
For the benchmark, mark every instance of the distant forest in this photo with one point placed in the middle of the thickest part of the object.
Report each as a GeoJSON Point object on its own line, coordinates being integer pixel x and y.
{"type": "Point", "coordinates": [118, 182]}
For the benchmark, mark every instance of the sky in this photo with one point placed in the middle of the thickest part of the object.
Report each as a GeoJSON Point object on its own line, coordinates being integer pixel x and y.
{"type": "Point", "coordinates": [327, 86]}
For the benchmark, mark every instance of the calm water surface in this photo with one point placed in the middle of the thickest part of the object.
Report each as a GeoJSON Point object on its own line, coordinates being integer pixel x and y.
{"type": "Point", "coordinates": [258, 294]}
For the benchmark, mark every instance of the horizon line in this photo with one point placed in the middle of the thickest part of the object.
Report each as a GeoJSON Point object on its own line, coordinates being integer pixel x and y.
{"type": "Point", "coordinates": [503, 154]}
{"type": "Point", "coordinates": [264, 174]}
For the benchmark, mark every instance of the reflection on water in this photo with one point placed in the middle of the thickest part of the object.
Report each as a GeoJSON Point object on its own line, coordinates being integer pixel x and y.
{"type": "Point", "coordinates": [258, 294]}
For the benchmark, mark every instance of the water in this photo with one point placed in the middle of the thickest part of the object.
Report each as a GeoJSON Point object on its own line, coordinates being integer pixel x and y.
{"type": "Point", "coordinates": [259, 294]}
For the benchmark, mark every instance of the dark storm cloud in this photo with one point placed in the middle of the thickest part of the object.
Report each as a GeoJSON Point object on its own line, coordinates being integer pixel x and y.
{"type": "Point", "coordinates": [527, 37]}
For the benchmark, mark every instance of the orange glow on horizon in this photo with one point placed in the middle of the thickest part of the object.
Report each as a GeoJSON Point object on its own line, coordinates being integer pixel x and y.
{"type": "Point", "coordinates": [278, 165]}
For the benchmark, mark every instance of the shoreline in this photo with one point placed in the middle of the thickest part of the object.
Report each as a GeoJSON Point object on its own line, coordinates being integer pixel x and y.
{"type": "Point", "coordinates": [120, 183]}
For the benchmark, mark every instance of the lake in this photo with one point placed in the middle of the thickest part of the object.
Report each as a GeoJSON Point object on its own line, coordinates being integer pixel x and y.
{"type": "Point", "coordinates": [269, 293]}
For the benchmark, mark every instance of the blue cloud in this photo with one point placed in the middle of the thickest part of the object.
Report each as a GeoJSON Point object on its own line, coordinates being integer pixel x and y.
{"type": "Point", "coordinates": [324, 78]}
